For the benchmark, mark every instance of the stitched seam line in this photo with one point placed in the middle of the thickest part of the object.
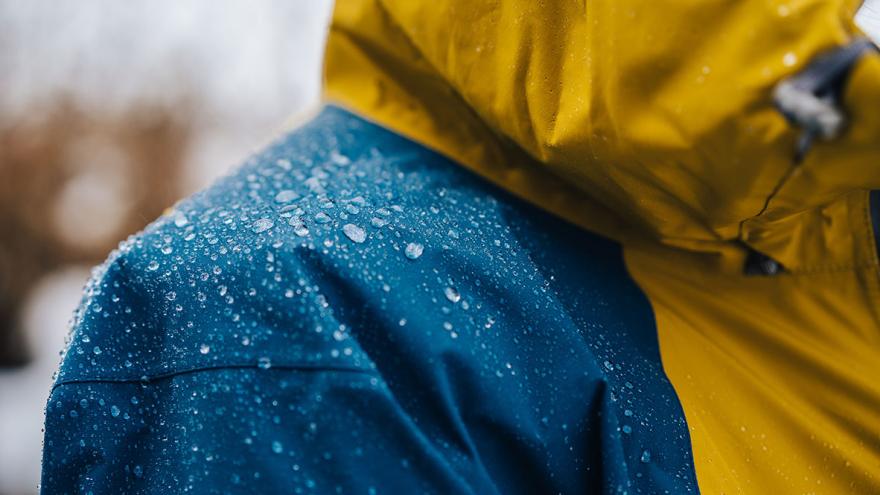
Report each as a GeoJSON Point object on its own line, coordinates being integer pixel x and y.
{"type": "Point", "coordinates": [171, 374]}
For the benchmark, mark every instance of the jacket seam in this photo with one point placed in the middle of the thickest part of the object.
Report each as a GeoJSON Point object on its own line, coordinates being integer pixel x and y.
{"type": "Point", "coordinates": [171, 374]}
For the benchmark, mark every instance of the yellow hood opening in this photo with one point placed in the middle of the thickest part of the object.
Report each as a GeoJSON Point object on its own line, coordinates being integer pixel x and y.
{"type": "Point", "coordinates": [633, 119]}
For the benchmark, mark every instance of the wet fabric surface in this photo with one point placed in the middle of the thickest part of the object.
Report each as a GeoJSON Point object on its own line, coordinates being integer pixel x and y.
{"type": "Point", "coordinates": [352, 313]}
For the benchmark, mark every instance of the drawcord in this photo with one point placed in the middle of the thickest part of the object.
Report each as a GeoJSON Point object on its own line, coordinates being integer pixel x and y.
{"type": "Point", "coordinates": [811, 100]}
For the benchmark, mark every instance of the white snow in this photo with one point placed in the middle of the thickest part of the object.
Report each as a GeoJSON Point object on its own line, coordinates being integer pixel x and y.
{"type": "Point", "coordinates": [246, 67]}
{"type": "Point", "coordinates": [24, 391]}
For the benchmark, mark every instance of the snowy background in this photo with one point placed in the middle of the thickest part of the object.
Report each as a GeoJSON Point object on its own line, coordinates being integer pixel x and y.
{"type": "Point", "coordinates": [198, 84]}
{"type": "Point", "coordinates": [223, 76]}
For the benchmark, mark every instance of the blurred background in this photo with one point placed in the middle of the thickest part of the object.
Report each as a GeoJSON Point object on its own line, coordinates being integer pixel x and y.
{"type": "Point", "coordinates": [109, 113]}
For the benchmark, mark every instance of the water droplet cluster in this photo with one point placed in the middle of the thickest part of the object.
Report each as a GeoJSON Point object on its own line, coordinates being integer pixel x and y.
{"type": "Point", "coordinates": [319, 308]}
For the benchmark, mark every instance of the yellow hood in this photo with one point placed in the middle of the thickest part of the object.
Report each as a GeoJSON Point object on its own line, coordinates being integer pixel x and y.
{"type": "Point", "coordinates": [630, 118]}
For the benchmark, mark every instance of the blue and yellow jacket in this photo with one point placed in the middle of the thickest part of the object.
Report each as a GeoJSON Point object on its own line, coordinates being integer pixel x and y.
{"type": "Point", "coordinates": [530, 247]}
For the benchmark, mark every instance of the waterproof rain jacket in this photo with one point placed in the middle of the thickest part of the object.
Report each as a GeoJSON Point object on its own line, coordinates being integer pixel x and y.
{"type": "Point", "coordinates": [672, 291]}
{"type": "Point", "coordinates": [654, 123]}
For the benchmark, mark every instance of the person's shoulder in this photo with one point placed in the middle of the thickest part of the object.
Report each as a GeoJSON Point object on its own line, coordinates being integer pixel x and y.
{"type": "Point", "coordinates": [272, 263]}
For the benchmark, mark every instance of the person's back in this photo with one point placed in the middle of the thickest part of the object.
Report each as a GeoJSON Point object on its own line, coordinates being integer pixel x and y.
{"type": "Point", "coordinates": [352, 312]}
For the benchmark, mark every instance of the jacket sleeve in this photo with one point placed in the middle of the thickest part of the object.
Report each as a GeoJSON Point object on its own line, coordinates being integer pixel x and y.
{"type": "Point", "coordinates": [186, 375]}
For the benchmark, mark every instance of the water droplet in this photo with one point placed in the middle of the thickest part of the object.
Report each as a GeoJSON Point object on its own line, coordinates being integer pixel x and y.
{"type": "Point", "coordinates": [114, 411]}
{"type": "Point", "coordinates": [262, 225]}
{"type": "Point", "coordinates": [378, 222]}
{"type": "Point", "coordinates": [414, 250]}
{"type": "Point", "coordinates": [277, 447]}
{"type": "Point", "coordinates": [355, 233]}
{"type": "Point", "coordinates": [286, 196]}
{"type": "Point", "coordinates": [452, 294]}
{"type": "Point", "coordinates": [204, 349]}
{"type": "Point", "coordinates": [153, 266]}
{"type": "Point", "coordinates": [180, 219]}
{"type": "Point", "coordinates": [84, 403]}
{"type": "Point", "coordinates": [138, 471]}
{"type": "Point", "coordinates": [171, 295]}
{"type": "Point", "coordinates": [314, 185]}
{"type": "Point", "coordinates": [322, 217]}
{"type": "Point", "coordinates": [97, 350]}
{"type": "Point", "coordinates": [609, 366]}
{"type": "Point", "coordinates": [264, 362]}
{"type": "Point", "coordinates": [646, 456]}
{"type": "Point", "coordinates": [627, 429]}
{"type": "Point", "coordinates": [299, 226]}
{"type": "Point", "coordinates": [338, 158]}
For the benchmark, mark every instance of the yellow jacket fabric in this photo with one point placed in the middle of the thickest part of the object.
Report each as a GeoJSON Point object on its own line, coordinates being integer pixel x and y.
{"type": "Point", "coordinates": [653, 123]}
